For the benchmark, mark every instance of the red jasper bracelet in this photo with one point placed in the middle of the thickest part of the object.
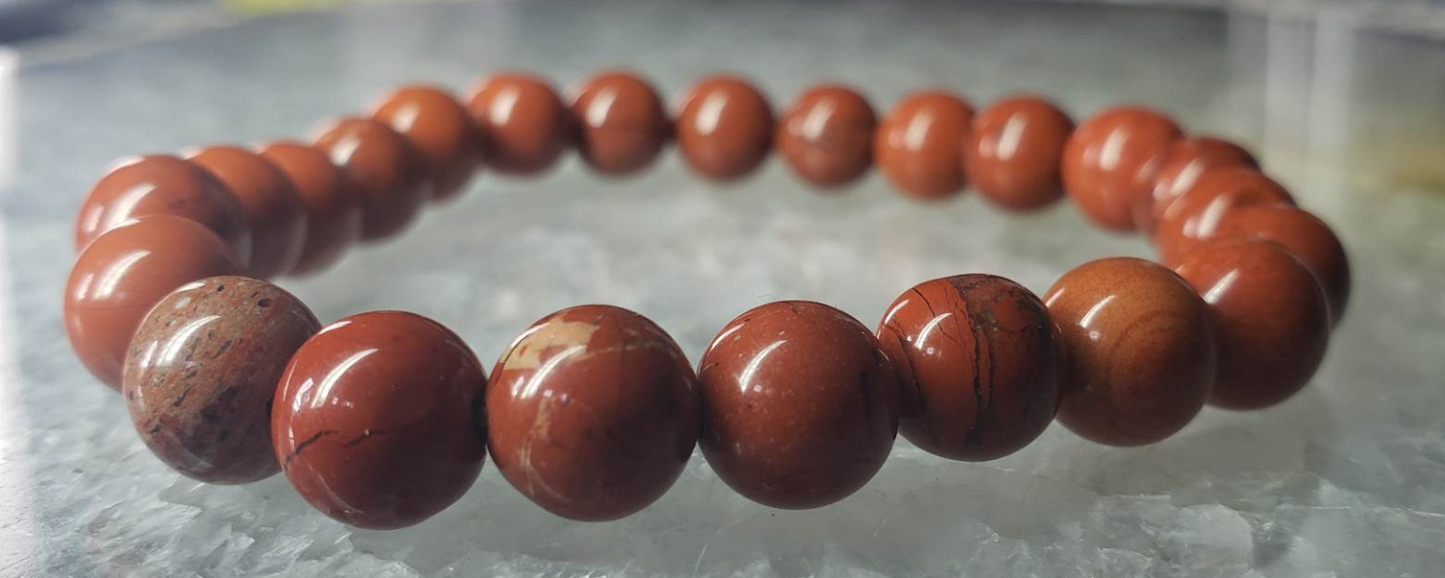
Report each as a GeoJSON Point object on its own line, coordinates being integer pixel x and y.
{"type": "Point", "coordinates": [384, 418]}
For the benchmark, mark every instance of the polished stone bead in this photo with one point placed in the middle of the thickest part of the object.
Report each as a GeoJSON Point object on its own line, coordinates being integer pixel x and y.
{"type": "Point", "coordinates": [1111, 160]}
{"type": "Point", "coordinates": [148, 185]}
{"type": "Point", "coordinates": [1141, 353]}
{"type": "Point", "coordinates": [441, 130]}
{"type": "Point", "coordinates": [1269, 314]}
{"type": "Point", "coordinates": [389, 173]}
{"type": "Point", "coordinates": [1013, 152]}
{"type": "Point", "coordinates": [826, 136]}
{"type": "Point", "coordinates": [592, 412]}
{"type": "Point", "coordinates": [201, 372]}
{"type": "Point", "coordinates": [378, 419]}
{"type": "Point", "coordinates": [979, 365]}
{"type": "Point", "coordinates": [799, 405]}
{"type": "Point", "coordinates": [273, 208]}
{"type": "Point", "coordinates": [330, 198]}
{"type": "Point", "coordinates": [525, 124]}
{"type": "Point", "coordinates": [919, 145]}
{"type": "Point", "coordinates": [1196, 214]}
{"type": "Point", "coordinates": [120, 275]}
{"type": "Point", "coordinates": [1183, 163]}
{"type": "Point", "coordinates": [1306, 237]}
{"type": "Point", "coordinates": [621, 123]}
{"type": "Point", "coordinates": [724, 128]}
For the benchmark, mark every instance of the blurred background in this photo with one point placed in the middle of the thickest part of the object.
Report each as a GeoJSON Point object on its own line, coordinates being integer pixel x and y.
{"type": "Point", "coordinates": [1356, 83]}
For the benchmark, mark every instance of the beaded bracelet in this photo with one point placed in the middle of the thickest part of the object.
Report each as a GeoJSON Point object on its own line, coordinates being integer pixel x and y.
{"type": "Point", "coordinates": [384, 418]}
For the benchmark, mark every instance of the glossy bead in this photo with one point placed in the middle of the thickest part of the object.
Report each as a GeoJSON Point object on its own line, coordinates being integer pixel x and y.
{"type": "Point", "coordinates": [1181, 167]}
{"type": "Point", "coordinates": [592, 412]}
{"type": "Point", "coordinates": [1013, 152]}
{"type": "Point", "coordinates": [441, 130]}
{"type": "Point", "coordinates": [799, 405]}
{"type": "Point", "coordinates": [1112, 159]}
{"type": "Point", "coordinates": [331, 200]}
{"type": "Point", "coordinates": [979, 365]}
{"type": "Point", "coordinates": [273, 208]}
{"type": "Point", "coordinates": [1271, 323]}
{"type": "Point", "coordinates": [1197, 213]}
{"type": "Point", "coordinates": [389, 173]}
{"type": "Point", "coordinates": [525, 124]}
{"type": "Point", "coordinates": [724, 128]}
{"type": "Point", "coordinates": [621, 123]}
{"type": "Point", "coordinates": [149, 185]}
{"type": "Point", "coordinates": [1306, 237]}
{"type": "Point", "coordinates": [919, 145]}
{"type": "Point", "coordinates": [202, 370]}
{"type": "Point", "coordinates": [378, 419]}
{"type": "Point", "coordinates": [826, 136]}
{"type": "Point", "coordinates": [120, 275]}
{"type": "Point", "coordinates": [1141, 353]}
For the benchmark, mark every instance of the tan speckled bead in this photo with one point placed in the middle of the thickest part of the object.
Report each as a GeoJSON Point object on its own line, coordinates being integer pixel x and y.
{"type": "Point", "coordinates": [1112, 159]}
{"type": "Point", "coordinates": [202, 370]}
{"type": "Point", "coordinates": [1141, 352]}
{"type": "Point", "coordinates": [120, 275]}
{"type": "Point", "coordinates": [621, 123]}
{"type": "Point", "coordinates": [525, 124]}
{"type": "Point", "coordinates": [919, 145]}
{"type": "Point", "coordinates": [1270, 318]}
{"type": "Point", "coordinates": [441, 130]}
{"type": "Point", "coordinates": [724, 128]}
{"type": "Point", "coordinates": [826, 136]}
{"type": "Point", "coordinates": [1013, 152]}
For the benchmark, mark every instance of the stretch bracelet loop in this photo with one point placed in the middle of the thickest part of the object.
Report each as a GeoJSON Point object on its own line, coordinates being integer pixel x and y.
{"type": "Point", "coordinates": [384, 418]}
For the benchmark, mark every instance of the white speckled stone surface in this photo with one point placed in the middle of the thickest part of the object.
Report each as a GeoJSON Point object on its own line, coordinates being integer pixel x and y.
{"type": "Point", "coordinates": [1347, 479]}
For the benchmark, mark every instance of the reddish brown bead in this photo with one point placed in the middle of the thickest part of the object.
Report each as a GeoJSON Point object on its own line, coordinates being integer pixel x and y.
{"type": "Point", "coordinates": [149, 185]}
{"type": "Point", "coordinates": [273, 208]}
{"type": "Point", "coordinates": [1197, 213]}
{"type": "Point", "coordinates": [799, 407]}
{"type": "Point", "coordinates": [827, 136]}
{"type": "Point", "coordinates": [202, 370]}
{"type": "Point", "coordinates": [592, 412]}
{"type": "Point", "coordinates": [389, 173]}
{"type": "Point", "coordinates": [1271, 323]}
{"type": "Point", "coordinates": [1181, 167]}
{"type": "Point", "coordinates": [1112, 159]}
{"type": "Point", "coordinates": [525, 124]}
{"type": "Point", "coordinates": [725, 128]}
{"type": "Point", "coordinates": [1013, 152]}
{"type": "Point", "coordinates": [979, 365]}
{"type": "Point", "coordinates": [373, 421]}
{"type": "Point", "coordinates": [621, 123]}
{"type": "Point", "coordinates": [122, 273]}
{"type": "Point", "coordinates": [1306, 237]}
{"type": "Point", "coordinates": [919, 145]}
{"type": "Point", "coordinates": [1141, 354]}
{"type": "Point", "coordinates": [441, 130]}
{"type": "Point", "coordinates": [331, 200]}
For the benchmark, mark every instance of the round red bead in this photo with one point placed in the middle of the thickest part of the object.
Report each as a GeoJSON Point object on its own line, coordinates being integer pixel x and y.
{"type": "Point", "coordinates": [799, 405]}
{"type": "Point", "coordinates": [979, 365]}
